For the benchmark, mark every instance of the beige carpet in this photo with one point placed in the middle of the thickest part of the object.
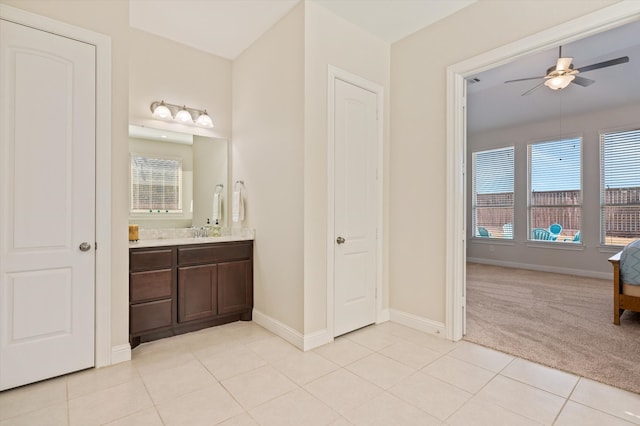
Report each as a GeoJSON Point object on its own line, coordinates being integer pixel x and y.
{"type": "Point", "coordinates": [562, 321]}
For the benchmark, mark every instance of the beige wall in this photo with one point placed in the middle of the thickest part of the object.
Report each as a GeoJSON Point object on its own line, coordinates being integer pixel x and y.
{"type": "Point", "coordinates": [330, 40]}
{"type": "Point", "coordinates": [268, 155]}
{"type": "Point", "coordinates": [161, 69]}
{"type": "Point", "coordinates": [418, 135]}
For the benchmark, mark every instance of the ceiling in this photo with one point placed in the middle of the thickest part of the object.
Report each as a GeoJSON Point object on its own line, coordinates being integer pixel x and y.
{"type": "Point", "coordinates": [493, 104]}
{"type": "Point", "coordinates": [227, 27]}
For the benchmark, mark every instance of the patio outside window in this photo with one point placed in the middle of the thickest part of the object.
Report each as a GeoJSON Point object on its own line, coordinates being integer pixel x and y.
{"type": "Point", "coordinates": [493, 177]}
{"type": "Point", "coordinates": [555, 190]}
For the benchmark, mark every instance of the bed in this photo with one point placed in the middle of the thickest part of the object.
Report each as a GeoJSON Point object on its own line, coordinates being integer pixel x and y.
{"type": "Point", "coordinates": [626, 271]}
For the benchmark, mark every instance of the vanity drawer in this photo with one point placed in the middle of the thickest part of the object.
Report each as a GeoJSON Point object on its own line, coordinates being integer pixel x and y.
{"type": "Point", "coordinates": [203, 254]}
{"type": "Point", "coordinates": [149, 316]}
{"type": "Point", "coordinates": [149, 285]}
{"type": "Point", "coordinates": [150, 259]}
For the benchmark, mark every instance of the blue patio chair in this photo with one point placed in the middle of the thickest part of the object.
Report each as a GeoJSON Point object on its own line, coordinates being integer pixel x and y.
{"type": "Point", "coordinates": [555, 229]}
{"type": "Point", "coordinates": [575, 239]}
{"type": "Point", "coordinates": [482, 232]}
{"type": "Point", "coordinates": [542, 234]}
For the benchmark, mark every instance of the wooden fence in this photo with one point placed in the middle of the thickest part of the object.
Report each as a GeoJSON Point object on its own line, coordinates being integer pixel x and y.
{"type": "Point", "coordinates": [622, 211]}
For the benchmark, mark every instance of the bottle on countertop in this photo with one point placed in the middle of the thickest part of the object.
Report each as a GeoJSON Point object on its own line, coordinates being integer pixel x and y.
{"type": "Point", "coordinates": [208, 229]}
{"type": "Point", "coordinates": [217, 230]}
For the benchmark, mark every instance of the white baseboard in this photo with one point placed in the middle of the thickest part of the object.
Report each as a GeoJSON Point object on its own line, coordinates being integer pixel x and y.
{"type": "Point", "coordinates": [322, 337]}
{"type": "Point", "coordinates": [384, 316]}
{"type": "Point", "coordinates": [418, 323]}
{"type": "Point", "coordinates": [279, 329]}
{"type": "Point", "coordinates": [317, 338]}
{"type": "Point", "coordinates": [297, 339]}
{"type": "Point", "coordinates": [120, 353]}
{"type": "Point", "coordinates": [543, 268]}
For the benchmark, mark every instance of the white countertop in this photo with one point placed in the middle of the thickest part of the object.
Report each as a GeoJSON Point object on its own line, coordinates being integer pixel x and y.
{"type": "Point", "coordinates": [244, 236]}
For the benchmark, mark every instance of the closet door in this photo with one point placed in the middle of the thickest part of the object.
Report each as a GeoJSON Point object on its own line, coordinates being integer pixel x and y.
{"type": "Point", "coordinates": [47, 205]}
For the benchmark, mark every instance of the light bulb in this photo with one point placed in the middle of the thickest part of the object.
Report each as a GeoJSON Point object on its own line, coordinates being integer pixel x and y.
{"type": "Point", "coordinates": [204, 120]}
{"type": "Point", "coordinates": [162, 112]}
{"type": "Point", "coordinates": [183, 116]}
{"type": "Point", "coordinates": [559, 82]}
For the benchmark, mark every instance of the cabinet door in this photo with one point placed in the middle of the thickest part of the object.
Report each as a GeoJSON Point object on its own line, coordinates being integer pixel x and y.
{"type": "Point", "coordinates": [235, 290]}
{"type": "Point", "coordinates": [197, 292]}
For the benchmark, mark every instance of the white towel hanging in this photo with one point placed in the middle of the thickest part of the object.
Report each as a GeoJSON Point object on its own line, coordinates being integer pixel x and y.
{"type": "Point", "coordinates": [217, 207]}
{"type": "Point", "coordinates": [237, 203]}
{"type": "Point", "coordinates": [237, 207]}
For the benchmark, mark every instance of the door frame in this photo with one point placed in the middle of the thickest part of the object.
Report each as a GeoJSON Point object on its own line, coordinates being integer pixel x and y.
{"type": "Point", "coordinates": [102, 350]}
{"type": "Point", "coordinates": [335, 73]}
{"type": "Point", "coordinates": [598, 21]}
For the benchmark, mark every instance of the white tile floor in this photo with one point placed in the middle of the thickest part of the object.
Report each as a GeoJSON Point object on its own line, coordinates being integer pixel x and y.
{"type": "Point", "coordinates": [388, 374]}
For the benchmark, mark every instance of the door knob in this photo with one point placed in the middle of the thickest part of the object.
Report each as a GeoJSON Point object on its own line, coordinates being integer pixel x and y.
{"type": "Point", "coordinates": [340, 240]}
{"type": "Point", "coordinates": [85, 246]}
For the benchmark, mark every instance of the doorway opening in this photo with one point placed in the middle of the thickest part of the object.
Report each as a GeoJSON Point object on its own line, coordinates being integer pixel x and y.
{"type": "Point", "coordinates": [591, 24]}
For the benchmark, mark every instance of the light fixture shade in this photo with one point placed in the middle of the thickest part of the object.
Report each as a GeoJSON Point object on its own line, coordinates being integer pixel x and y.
{"type": "Point", "coordinates": [204, 120]}
{"type": "Point", "coordinates": [183, 116]}
{"type": "Point", "coordinates": [162, 112]}
{"type": "Point", "coordinates": [559, 82]}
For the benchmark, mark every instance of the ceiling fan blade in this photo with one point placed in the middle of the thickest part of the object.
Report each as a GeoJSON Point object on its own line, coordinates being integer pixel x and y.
{"type": "Point", "coordinates": [532, 89]}
{"type": "Point", "coordinates": [525, 79]}
{"type": "Point", "coordinates": [609, 63]}
{"type": "Point", "coordinates": [563, 64]}
{"type": "Point", "coordinates": [581, 81]}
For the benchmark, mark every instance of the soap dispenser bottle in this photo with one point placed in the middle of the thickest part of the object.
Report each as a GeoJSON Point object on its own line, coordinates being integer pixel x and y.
{"type": "Point", "coordinates": [208, 229]}
{"type": "Point", "coordinates": [217, 231]}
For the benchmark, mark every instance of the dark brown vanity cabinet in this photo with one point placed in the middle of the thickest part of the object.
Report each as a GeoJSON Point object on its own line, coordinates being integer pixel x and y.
{"type": "Point", "coordinates": [150, 290]}
{"type": "Point", "coordinates": [215, 280]}
{"type": "Point", "coordinates": [179, 289]}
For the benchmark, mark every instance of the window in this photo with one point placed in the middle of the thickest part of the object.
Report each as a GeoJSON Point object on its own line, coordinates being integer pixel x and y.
{"type": "Point", "coordinates": [555, 190]}
{"type": "Point", "coordinates": [620, 187]}
{"type": "Point", "coordinates": [156, 185]}
{"type": "Point", "coordinates": [492, 203]}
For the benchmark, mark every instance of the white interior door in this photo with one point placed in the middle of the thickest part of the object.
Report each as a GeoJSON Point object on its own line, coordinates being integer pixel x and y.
{"type": "Point", "coordinates": [47, 205]}
{"type": "Point", "coordinates": [356, 139]}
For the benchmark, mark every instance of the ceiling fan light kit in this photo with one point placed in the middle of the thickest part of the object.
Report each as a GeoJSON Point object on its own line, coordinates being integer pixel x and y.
{"type": "Point", "coordinates": [559, 82]}
{"type": "Point", "coordinates": [563, 73]}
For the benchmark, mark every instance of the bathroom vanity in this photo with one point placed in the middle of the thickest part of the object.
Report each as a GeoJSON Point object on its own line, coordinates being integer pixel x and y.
{"type": "Point", "coordinates": [182, 285]}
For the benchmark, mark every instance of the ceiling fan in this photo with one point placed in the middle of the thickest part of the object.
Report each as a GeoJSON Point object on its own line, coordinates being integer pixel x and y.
{"type": "Point", "coordinates": [563, 73]}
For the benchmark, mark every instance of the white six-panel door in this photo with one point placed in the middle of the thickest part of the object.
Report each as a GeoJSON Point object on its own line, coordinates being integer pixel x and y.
{"type": "Point", "coordinates": [355, 160]}
{"type": "Point", "coordinates": [47, 205]}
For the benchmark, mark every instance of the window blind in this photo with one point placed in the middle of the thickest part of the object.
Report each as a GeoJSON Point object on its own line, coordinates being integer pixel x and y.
{"type": "Point", "coordinates": [155, 185]}
{"type": "Point", "coordinates": [493, 177]}
{"type": "Point", "coordinates": [620, 187]}
{"type": "Point", "coordinates": [555, 187]}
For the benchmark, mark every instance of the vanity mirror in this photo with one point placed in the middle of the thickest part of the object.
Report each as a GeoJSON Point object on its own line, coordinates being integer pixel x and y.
{"type": "Point", "coordinates": [173, 178]}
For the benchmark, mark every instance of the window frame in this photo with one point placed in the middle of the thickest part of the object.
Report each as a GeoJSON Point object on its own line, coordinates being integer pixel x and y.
{"type": "Point", "coordinates": [153, 212]}
{"type": "Point", "coordinates": [603, 204]}
{"type": "Point", "coordinates": [530, 192]}
{"type": "Point", "coordinates": [474, 194]}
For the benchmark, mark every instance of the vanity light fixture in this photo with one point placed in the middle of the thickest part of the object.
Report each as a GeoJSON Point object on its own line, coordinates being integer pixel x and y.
{"type": "Point", "coordinates": [181, 114]}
